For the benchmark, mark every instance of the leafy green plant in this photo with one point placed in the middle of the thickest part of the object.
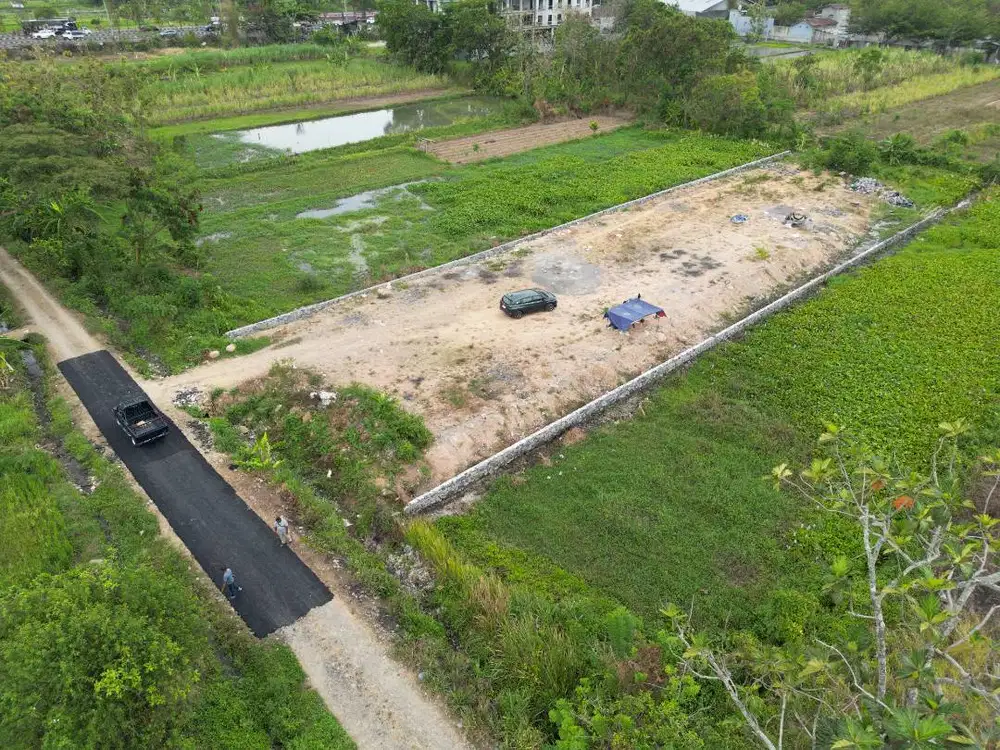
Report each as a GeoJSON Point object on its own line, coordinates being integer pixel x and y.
{"type": "Point", "coordinates": [916, 679]}
{"type": "Point", "coordinates": [259, 456]}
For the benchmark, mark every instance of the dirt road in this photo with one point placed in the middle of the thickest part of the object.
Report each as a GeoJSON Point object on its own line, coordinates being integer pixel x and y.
{"type": "Point", "coordinates": [483, 381]}
{"type": "Point", "coordinates": [66, 335]}
{"type": "Point", "coordinates": [379, 703]}
{"type": "Point", "coordinates": [514, 141]}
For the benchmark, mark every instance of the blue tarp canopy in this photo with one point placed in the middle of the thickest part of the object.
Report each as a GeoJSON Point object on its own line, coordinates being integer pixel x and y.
{"type": "Point", "coordinates": [630, 312]}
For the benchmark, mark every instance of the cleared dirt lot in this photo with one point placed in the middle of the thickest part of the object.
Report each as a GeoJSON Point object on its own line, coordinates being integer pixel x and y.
{"type": "Point", "coordinates": [482, 380]}
{"type": "Point", "coordinates": [516, 140]}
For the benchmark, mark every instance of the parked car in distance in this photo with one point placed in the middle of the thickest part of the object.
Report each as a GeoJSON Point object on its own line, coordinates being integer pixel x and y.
{"type": "Point", "coordinates": [169, 33]}
{"type": "Point", "coordinates": [516, 304]}
{"type": "Point", "coordinates": [73, 34]}
{"type": "Point", "coordinates": [43, 34]}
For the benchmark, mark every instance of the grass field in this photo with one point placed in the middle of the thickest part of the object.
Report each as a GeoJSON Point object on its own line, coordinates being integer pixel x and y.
{"type": "Point", "coordinates": [182, 94]}
{"type": "Point", "coordinates": [277, 262]}
{"type": "Point", "coordinates": [968, 118]}
{"type": "Point", "coordinates": [672, 506]}
{"type": "Point", "coordinates": [831, 87]}
{"type": "Point", "coordinates": [91, 597]}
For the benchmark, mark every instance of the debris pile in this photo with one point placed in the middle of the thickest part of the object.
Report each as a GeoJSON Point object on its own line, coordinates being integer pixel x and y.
{"type": "Point", "coordinates": [411, 571]}
{"type": "Point", "coordinates": [871, 186]}
{"type": "Point", "coordinates": [325, 397]}
{"type": "Point", "coordinates": [187, 397]}
{"type": "Point", "coordinates": [796, 219]}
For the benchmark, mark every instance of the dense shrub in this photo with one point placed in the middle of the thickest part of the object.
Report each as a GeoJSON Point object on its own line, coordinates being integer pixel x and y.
{"type": "Point", "coordinates": [852, 153]}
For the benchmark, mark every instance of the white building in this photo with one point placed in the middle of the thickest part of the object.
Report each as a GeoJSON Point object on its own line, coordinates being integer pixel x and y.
{"type": "Point", "coordinates": [701, 8]}
{"type": "Point", "coordinates": [542, 15]}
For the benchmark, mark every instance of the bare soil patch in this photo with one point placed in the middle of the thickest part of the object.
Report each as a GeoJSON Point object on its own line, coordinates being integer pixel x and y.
{"type": "Point", "coordinates": [513, 141]}
{"type": "Point", "coordinates": [483, 381]}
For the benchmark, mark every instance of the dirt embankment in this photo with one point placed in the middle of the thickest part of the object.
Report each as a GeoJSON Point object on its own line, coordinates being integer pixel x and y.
{"type": "Point", "coordinates": [483, 381]}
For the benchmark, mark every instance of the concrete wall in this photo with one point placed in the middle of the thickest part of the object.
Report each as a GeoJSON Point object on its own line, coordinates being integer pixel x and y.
{"type": "Point", "coordinates": [800, 32]}
{"type": "Point", "coordinates": [743, 25]}
{"type": "Point", "coordinates": [493, 465]}
{"type": "Point", "coordinates": [308, 310]}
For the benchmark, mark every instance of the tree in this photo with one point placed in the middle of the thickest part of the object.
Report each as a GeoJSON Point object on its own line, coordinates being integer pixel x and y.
{"type": "Point", "coordinates": [98, 656]}
{"type": "Point", "coordinates": [789, 13]}
{"type": "Point", "coordinates": [160, 201]}
{"type": "Point", "coordinates": [919, 667]}
{"type": "Point", "coordinates": [415, 35]}
{"type": "Point", "coordinates": [947, 22]}
{"type": "Point", "coordinates": [477, 33]}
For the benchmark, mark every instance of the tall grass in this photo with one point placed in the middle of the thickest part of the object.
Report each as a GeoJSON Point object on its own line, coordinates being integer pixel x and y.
{"type": "Point", "coordinates": [264, 85]}
{"type": "Point", "coordinates": [913, 90]}
{"type": "Point", "coordinates": [839, 84]}
{"type": "Point", "coordinates": [217, 59]}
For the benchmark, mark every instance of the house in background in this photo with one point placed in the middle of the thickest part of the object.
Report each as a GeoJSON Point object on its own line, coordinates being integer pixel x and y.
{"type": "Point", "coordinates": [701, 8]}
{"type": "Point", "coordinates": [839, 14]}
{"type": "Point", "coordinates": [827, 26]}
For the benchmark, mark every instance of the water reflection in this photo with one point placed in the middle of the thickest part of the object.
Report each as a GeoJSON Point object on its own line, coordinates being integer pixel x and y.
{"type": "Point", "coordinates": [329, 132]}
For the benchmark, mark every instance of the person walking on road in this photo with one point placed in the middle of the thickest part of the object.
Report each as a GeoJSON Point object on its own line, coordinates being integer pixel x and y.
{"type": "Point", "coordinates": [281, 528]}
{"type": "Point", "coordinates": [229, 586]}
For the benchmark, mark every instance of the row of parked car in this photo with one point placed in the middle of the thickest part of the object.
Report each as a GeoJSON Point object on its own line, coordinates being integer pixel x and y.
{"type": "Point", "coordinates": [61, 32]}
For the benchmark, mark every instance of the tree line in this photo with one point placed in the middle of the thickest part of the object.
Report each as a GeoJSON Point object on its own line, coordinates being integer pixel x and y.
{"type": "Point", "coordinates": [681, 70]}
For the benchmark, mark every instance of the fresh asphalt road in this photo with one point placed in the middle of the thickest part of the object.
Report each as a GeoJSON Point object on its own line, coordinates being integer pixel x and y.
{"type": "Point", "coordinates": [203, 510]}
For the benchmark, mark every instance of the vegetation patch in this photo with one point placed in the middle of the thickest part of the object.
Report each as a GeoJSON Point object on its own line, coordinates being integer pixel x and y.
{"type": "Point", "coordinates": [183, 91]}
{"type": "Point", "coordinates": [91, 596]}
{"type": "Point", "coordinates": [351, 443]}
{"type": "Point", "coordinates": [271, 252]}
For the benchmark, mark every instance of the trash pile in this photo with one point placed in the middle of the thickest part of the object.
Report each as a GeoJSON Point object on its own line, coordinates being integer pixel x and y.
{"type": "Point", "coordinates": [187, 397]}
{"type": "Point", "coordinates": [796, 219]}
{"type": "Point", "coordinates": [325, 397]}
{"type": "Point", "coordinates": [871, 186]}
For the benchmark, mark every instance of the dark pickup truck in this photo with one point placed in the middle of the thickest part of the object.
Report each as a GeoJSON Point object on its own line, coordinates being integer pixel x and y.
{"type": "Point", "coordinates": [140, 420]}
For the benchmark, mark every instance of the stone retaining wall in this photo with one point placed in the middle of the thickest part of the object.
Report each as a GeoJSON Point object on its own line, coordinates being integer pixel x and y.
{"type": "Point", "coordinates": [305, 312]}
{"type": "Point", "coordinates": [491, 466]}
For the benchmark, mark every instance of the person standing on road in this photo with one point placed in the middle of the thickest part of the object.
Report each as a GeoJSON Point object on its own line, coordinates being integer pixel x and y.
{"type": "Point", "coordinates": [281, 528]}
{"type": "Point", "coordinates": [229, 586]}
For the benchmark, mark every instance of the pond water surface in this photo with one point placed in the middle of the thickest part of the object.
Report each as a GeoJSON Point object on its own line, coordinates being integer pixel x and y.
{"type": "Point", "coordinates": [299, 137]}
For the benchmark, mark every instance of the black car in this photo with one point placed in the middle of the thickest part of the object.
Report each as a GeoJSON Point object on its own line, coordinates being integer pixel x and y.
{"type": "Point", "coordinates": [516, 304]}
{"type": "Point", "coordinates": [140, 420]}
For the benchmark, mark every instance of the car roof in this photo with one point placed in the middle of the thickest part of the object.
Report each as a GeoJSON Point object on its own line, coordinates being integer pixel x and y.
{"type": "Point", "coordinates": [523, 294]}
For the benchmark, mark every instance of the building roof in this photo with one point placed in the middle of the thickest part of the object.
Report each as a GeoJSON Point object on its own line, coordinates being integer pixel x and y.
{"type": "Point", "coordinates": [821, 23]}
{"type": "Point", "coordinates": [694, 6]}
